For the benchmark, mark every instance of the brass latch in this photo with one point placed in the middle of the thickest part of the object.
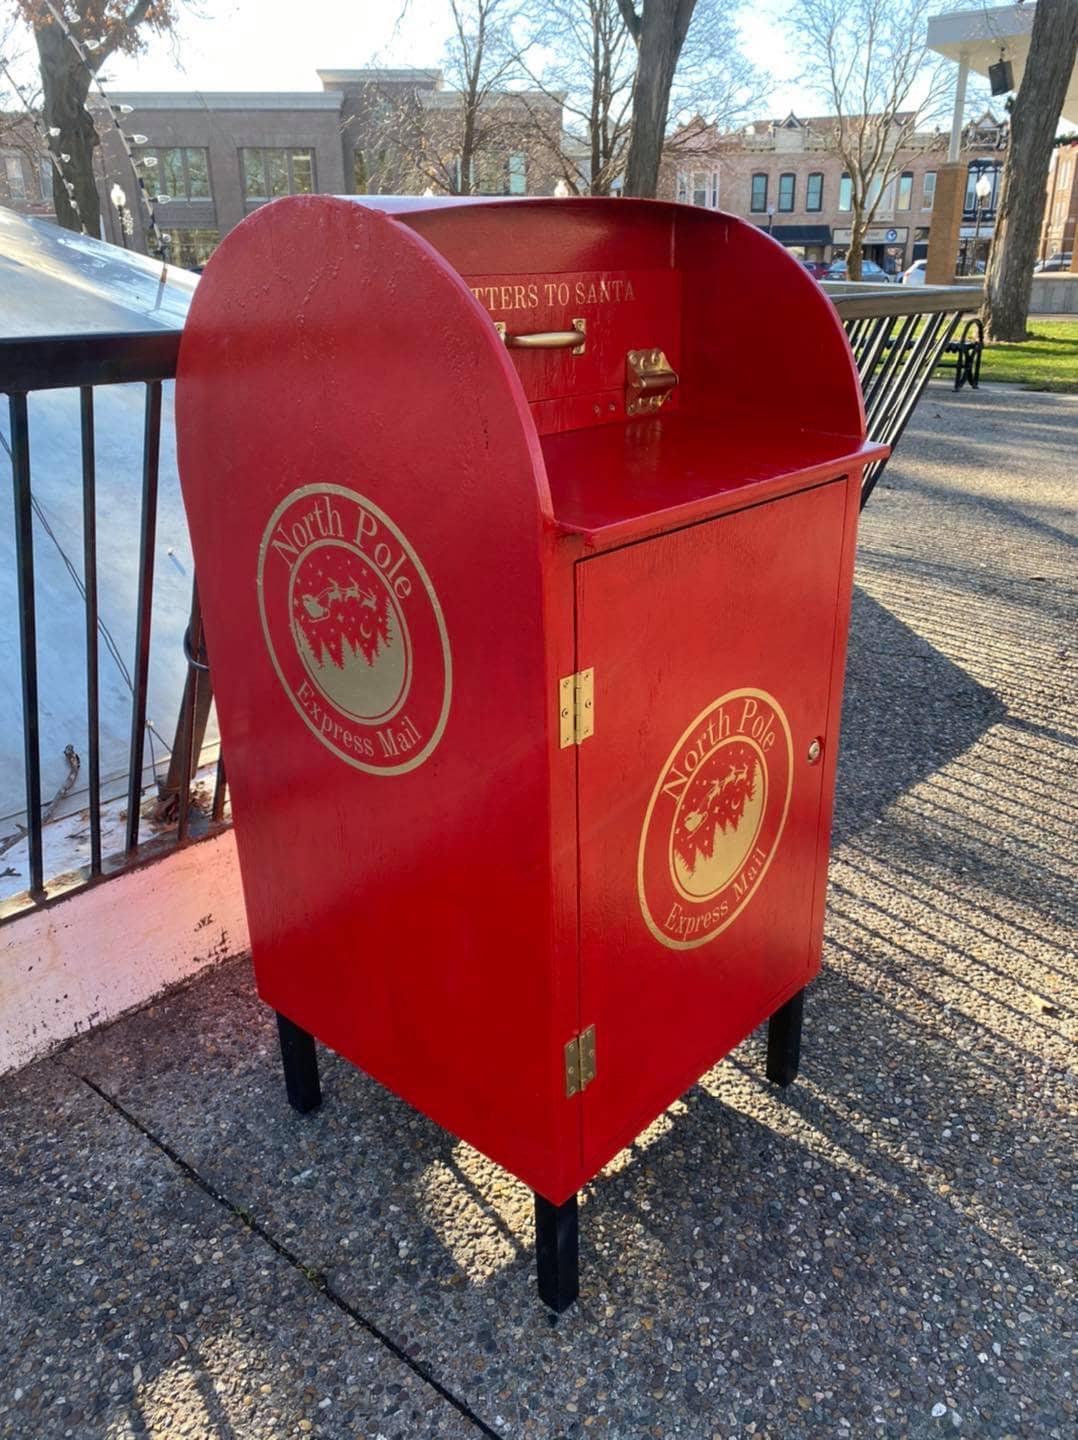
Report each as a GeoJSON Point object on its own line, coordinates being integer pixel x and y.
{"type": "Point", "coordinates": [580, 1062]}
{"type": "Point", "coordinates": [649, 379]}
{"type": "Point", "coordinates": [576, 707]}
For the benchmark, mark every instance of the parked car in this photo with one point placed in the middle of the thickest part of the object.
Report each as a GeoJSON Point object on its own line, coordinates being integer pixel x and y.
{"type": "Point", "coordinates": [1061, 260]}
{"type": "Point", "coordinates": [914, 274]}
{"type": "Point", "coordinates": [818, 268]}
{"type": "Point", "coordinates": [869, 271]}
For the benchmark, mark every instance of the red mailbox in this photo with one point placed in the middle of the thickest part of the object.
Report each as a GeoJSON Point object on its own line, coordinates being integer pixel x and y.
{"type": "Point", "coordinates": [526, 579]}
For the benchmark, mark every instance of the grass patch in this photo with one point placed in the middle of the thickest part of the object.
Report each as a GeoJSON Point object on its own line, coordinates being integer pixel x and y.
{"type": "Point", "coordinates": [1047, 361]}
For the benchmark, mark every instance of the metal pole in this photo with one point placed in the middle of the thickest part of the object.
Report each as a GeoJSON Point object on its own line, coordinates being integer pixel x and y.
{"type": "Point", "coordinates": [24, 568]}
{"type": "Point", "coordinates": [89, 570]}
{"type": "Point", "coordinates": [151, 449]}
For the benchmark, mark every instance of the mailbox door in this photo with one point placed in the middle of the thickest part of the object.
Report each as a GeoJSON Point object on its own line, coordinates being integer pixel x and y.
{"type": "Point", "coordinates": [704, 804]}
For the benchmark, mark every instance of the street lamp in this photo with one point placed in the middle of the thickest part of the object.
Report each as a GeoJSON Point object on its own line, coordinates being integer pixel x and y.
{"type": "Point", "coordinates": [982, 190]}
{"type": "Point", "coordinates": [770, 217]}
{"type": "Point", "coordinates": [119, 200]}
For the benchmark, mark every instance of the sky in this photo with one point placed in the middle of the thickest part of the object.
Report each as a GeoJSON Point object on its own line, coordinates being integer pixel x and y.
{"type": "Point", "coordinates": [258, 45]}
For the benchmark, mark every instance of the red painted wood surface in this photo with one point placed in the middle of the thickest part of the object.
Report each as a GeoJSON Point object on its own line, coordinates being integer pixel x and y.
{"type": "Point", "coordinates": [741, 606]}
{"type": "Point", "coordinates": [395, 522]}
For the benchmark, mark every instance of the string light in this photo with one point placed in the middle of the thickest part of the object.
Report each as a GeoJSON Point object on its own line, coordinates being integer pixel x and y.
{"type": "Point", "coordinates": [115, 114]}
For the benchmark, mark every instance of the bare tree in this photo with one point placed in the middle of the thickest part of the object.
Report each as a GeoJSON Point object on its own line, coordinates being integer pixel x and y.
{"type": "Point", "coordinates": [658, 29]}
{"type": "Point", "coordinates": [1034, 117]}
{"type": "Point", "coordinates": [590, 62]}
{"type": "Point", "coordinates": [869, 61]}
{"type": "Point", "coordinates": [586, 67]}
{"type": "Point", "coordinates": [714, 81]}
{"type": "Point", "coordinates": [449, 139]}
{"type": "Point", "coordinates": [18, 111]}
{"type": "Point", "coordinates": [74, 40]}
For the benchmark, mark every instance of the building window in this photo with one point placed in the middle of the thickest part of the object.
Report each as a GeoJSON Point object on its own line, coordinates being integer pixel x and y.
{"type": "Point", "coordinates": [301, 168]}
{"type": "Point", "coordinates": [928, 189]}
{"type": "Point", "coordinates": [759, 193]}
{"type": "Point", "coordinates": [845, 193]}
{"type": "Point", "coordinates": [814, 192]}
{"type": "Point", "coordinates": [192, 248]}
{"type": "Point", "coordinates": [46, 181]}
{"type": "Point", "coordinates": [705, 188]}
{"type": "Point", "coordinates": [15, 176]}
{"type": "Point", "coordinates": [268, 174]}
{"type": "Point", "coordinates": [518, 174]}
{"type": "Point", "coordinates": [489, 174]}
{"type": "Point", "coordinates": [787, 188]}
{"type": "Point", "coordinates": [974, 174]}
{"type": "Point", "coordinates": [905, 190]}
{"type": "Point", "coordinates": [180, 172]}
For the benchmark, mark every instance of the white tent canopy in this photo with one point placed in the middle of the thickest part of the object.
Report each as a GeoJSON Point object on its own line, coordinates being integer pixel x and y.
{"type": "Point", "coordinates": [56, 284]}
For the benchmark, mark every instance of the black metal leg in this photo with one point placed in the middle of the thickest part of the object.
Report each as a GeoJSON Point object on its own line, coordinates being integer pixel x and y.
{"type": "Point", "coordinates": [300, 1066]}
{"type": "Point", "coordinates": [784, 1041]}
{"type": "Point", "coordinates": [557, 1252]}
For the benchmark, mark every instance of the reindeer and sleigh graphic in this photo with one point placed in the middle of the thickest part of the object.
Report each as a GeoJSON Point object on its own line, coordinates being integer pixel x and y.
{"type": "Point", "coordinates": [718, 819]}
{"type": "Point", "coordinates": [349, 633]}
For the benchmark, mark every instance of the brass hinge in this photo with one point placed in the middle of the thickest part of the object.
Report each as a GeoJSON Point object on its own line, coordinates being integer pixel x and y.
{"type": "Point", "coordinates": [576, 707]}
{"type": "Point", "coordinates": [580, 1062]}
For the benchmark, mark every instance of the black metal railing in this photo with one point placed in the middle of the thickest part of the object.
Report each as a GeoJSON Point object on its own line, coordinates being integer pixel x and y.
{"type": "Point", "coordinates": [87, 363]}
{"type": "Point", "coordinates": [897, 334]}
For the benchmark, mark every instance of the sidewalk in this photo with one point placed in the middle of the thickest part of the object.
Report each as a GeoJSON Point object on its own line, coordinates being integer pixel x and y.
{"type": "Point", "coordinates": [885, 1250]}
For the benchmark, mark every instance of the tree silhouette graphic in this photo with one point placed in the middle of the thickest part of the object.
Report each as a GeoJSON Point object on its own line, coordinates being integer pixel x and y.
{"type": "Point", "coordinates": [341, 609]}
{"type": "Point", "coordinates": [714, 801]}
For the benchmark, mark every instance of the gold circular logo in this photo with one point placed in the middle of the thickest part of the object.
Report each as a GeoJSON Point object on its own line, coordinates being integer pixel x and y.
{"type": "Point", "coordinates": [715, 818]}
{"type": "Point", "coordinates": [354, 629]}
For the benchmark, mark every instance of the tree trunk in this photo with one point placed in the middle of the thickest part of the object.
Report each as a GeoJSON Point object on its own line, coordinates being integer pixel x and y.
{"type": "Point", "coordinates": [467, 149]}
{"type": "Point", "coordinates": [855, 252]}
{"type": "Point", "coordinates": [659, 34]}
{"type": "Point", "coordinates": [65, 85]}
{"type": "Point", "coordinates": [1037, 107]}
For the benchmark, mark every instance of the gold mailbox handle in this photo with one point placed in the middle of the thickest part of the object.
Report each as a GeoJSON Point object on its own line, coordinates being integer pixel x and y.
{"type": "Point", "coordinates": [573, 339]}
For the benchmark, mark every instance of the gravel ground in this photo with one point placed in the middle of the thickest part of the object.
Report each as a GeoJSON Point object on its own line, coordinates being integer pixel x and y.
{"type": "Point", "coordinates": [885, 1250]}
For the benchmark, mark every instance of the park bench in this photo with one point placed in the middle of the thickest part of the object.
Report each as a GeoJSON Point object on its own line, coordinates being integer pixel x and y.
{"type": "Point", "coordinates": [964, 355]}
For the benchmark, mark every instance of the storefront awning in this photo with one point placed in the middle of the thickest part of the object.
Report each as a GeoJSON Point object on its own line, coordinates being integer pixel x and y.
{"type": "Point", "coordinates": [801, 234]}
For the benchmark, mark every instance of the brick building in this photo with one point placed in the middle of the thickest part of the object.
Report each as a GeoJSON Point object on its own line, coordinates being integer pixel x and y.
{"type": "Point", "coordinates": [219, 156]}
{"type": "Point", "coordinates": [781, 175]}
{"type": "Point", "coordinates": [215, 157]}
{"type": "Point", "coordinates": [1061, 203]}
{"type": "Point", "coordinates": [26, 173]}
